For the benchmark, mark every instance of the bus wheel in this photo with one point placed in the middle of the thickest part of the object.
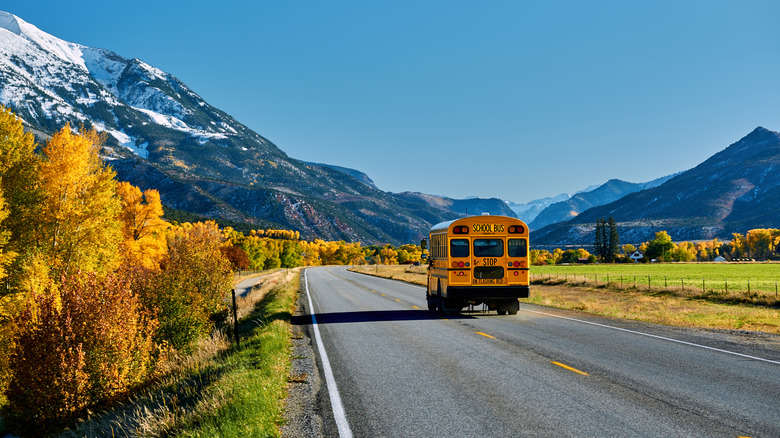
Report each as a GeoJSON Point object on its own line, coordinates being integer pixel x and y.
{"type": "Point", "coordinates": [513, 312]}
{"type": "Point", "coordinates": [433, 302]}
{"type": "Point", "coordinates": [501, 312]}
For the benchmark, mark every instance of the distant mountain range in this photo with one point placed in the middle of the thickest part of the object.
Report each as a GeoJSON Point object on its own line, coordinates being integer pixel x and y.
{"type": "Point", "coordinates": [610, 191]}
{"type": "Point", "coordinates": [733, 191]}
{"type": "Point", "coordinates": [206, 164]}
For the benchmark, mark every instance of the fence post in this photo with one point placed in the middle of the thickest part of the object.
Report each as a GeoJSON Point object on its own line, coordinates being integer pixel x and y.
{"type": "Point", "coordinates": [235, 318]}
{"type": "Point", "coordinates": [727, 286]}
{"type": "Point", "coordinates": [748, 286]}
{"type": "Point", "coordinates": [682, 282]}
{"type": "Point", "coordinates": [665, 283]}
{"type": "Point", "coordinates": [648, 282]}
{"type": "Point", "coordinates": [703, 290]}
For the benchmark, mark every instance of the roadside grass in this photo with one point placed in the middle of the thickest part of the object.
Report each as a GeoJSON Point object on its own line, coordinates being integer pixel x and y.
{"type": "Point", "coordinates": [691, 308]}
{"type": "Point", "coordinates": [220, 389]}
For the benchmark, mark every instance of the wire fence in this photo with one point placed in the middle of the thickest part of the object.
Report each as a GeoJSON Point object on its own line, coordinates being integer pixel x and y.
{"type": "Point", "coordinates": [690, 285]}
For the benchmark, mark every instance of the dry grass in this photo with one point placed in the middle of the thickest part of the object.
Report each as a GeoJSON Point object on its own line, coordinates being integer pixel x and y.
{"type": "Point", "coordinates": [654, 305]}
{"type": "Point", "coordinates": [662, 309]}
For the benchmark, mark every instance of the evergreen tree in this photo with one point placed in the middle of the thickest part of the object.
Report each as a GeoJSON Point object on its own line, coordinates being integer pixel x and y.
{"type": "Point", "coordinates": [614, 240]}
{"type": "Point", "coordinates": [600, 240]}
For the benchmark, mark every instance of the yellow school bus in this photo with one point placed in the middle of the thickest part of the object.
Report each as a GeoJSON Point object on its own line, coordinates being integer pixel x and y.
{"type": "Point", "coordinates": [476, 260]}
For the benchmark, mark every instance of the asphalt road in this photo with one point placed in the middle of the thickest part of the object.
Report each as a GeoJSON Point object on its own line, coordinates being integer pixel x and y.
{"type": "Point", "coordinates": [402, 371]}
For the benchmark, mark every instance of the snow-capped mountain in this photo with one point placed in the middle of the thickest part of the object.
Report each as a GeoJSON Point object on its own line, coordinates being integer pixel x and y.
{"type": "Point", "coordinates": [527, 212]}
{"type": "Point", "coordinates": [162, 135]}
{"type": "Point", "coordinates": [593, 196]}
{"type": "Point", "coordinates": [49, 82]}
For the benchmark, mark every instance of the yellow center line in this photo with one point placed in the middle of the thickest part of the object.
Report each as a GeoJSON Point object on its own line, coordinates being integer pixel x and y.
{"type": "Point", "coordinates": [398, 300]}
{"type": "Point", "coordinates": [415, 307]}
{"type": "Point", "coordinates": [383, 295]}
{"type": "Point", "coordinates": [485, 335]}
{"type": "Point", "coordinates": [569, 368]}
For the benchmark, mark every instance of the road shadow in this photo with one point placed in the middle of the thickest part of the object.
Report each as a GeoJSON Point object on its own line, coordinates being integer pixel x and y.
{"type": "Point", "coordinates": [373, 316]}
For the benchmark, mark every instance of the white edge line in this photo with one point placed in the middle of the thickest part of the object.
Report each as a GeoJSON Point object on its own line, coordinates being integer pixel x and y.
{"type": "Point", "coordinates": [655, 336]}
{"type": "Point", "coordinates": [333, 391]}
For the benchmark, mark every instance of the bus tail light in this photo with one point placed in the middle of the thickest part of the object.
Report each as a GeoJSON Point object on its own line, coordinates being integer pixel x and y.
{"type": "Point", "coordinates": [517, 273]}
{"type": "Point", "coordinates": [516, 229]}
{"type": "Point", "coordinates": [461, 229]}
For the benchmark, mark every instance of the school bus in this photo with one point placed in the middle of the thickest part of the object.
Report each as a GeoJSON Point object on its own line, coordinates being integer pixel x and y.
{"type": "Point", "coordinates": [478, 260]}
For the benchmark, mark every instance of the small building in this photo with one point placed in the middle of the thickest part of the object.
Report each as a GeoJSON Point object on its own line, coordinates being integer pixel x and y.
{"type": "Point", "coordinates": [719, 259]}
{"type": "Point", "coordinates": [636, 255]}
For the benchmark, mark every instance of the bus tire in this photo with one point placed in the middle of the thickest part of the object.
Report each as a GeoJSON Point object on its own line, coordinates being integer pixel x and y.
{"type": "Point", "coordinates": [501, 312]}
{"type": "Point", "coordinates": [433, 302]}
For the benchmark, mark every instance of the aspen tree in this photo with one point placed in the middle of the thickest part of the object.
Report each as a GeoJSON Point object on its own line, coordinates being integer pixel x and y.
{"type": "Point", "coordinates": [79, 225]}
{"type": "Point", "coordinates": [143, 228]}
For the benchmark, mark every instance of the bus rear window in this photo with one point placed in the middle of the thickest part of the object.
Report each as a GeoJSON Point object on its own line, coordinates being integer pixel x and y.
{"type": "Point", "coordinates": [488, 248]}
{"type": "Point", "coordinates": [517, 247]}
{"type": "Point", "coordinates": [459, 248]}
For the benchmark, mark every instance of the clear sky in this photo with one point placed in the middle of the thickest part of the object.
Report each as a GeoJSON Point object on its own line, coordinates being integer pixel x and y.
{"type": "Point", "coordinates": [510, 99]}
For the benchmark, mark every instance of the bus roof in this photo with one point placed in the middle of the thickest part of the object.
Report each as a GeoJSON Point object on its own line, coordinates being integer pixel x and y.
{"type": "Point", "coordinates": [443, 226]}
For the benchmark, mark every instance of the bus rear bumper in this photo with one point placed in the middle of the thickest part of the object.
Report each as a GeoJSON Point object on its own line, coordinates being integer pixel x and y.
{"type": "Point", "coordinates": [470, 293]}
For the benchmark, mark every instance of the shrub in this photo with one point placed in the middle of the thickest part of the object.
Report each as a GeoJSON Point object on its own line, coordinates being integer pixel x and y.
{"type": "Point", "coordinates": [188, 293]}
{"type": "Point", "coordinates": [83, 344]}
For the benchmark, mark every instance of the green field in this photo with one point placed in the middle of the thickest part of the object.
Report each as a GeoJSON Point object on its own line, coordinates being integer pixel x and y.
{"type": "Point", "coordinates": [755, 278]}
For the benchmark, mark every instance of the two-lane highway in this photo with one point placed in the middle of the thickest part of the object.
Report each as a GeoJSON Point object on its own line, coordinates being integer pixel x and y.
{"type": "Point", "coordinates": [402, 371]}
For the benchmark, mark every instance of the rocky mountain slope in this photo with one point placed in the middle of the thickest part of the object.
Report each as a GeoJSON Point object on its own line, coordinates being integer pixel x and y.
{"type": "Point", "coordinates": [735, 190]}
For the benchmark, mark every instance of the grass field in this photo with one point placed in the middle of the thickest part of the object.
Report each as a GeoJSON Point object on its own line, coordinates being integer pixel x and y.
{"type": "Point", "coordinates": [732, 278]}
{"type": "Point", "coordinates": [735, 310]}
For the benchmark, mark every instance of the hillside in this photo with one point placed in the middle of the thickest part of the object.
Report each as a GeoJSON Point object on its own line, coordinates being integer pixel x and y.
{"type": "Point", "coordinates": [733, 191]}
{"type": "Point", "coordinates": [163, 135]}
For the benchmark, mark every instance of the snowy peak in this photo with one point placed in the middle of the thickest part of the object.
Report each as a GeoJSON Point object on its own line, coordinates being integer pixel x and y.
{"type": "Point", "coordinates": [64, 50]}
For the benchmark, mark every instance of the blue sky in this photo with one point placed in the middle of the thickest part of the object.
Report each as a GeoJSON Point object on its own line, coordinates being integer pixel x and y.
{"type": "Point", "coordinates": [509, 99]}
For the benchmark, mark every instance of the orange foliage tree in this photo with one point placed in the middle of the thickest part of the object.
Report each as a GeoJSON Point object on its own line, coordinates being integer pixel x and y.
{"type": "Point", "coordinates": [143, 228]}
{"type": "Point", "coordinates": [79, 225]}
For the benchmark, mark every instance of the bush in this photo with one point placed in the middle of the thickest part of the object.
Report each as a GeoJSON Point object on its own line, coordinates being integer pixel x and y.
{"type": "Point", "coordinates": [85, 344]}
{"type": "Point", "coordinates": [188, 293]}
